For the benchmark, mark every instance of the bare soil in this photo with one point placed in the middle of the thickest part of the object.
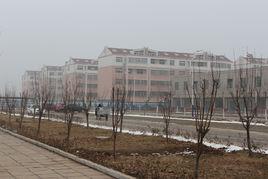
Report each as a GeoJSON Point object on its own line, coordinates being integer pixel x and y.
{"type": "Point", "coordinates": [143, 156]}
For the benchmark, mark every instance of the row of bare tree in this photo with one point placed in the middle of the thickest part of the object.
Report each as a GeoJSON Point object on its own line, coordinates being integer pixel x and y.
{"type": "Point", "coordinates": [203, 96]}
{"type": "Point", "coordinates": [245, 96]}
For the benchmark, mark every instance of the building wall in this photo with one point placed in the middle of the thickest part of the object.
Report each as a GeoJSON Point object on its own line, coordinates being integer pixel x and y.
{"type": "Point", "coordinates": [229, 83]}
{"type": "Point", "coordinates": [148, 73]}
{"type": "Point", "coordinates": [30, 81]}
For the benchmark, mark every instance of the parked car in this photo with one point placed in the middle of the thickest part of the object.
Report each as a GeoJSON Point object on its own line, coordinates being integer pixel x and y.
{"type": "Point", "coordinates": [73, 107]}
{"type": "Point", "coordinates": [101, 111]}
{"type": "Point", "coordinates": [30, 110]}
{"type": "Point", "coordinates": [59, 107]}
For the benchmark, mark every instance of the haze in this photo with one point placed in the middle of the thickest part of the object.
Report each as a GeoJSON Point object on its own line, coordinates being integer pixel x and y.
{"type": "Point", "coordinates": [48, 32]}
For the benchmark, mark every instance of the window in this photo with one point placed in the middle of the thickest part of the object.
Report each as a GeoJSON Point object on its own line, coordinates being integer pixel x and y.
{"type": "Point", "coordinates": [59, 73]}
{"type": "Point", "coordinates": [151, 54]}
{"type": "Point", "coordinates": [140, 93]}
{"type": "Point", "coordinates": [220, 65]}
{"type": "Point", "coordinates": [141, 71]}
{"type": "Point", "coordinates": [92, 77]}
{"type": "Point", "coordinates": [229, 83]}
{"type": "Point", "coordinates": [176, 85]}
{"type": "Point", "coordinates": [199, 64]}
{"type": "Point", "coordinates": [182, 63]}
{"type": "Point", "coordinates": [94, 68]}
{"type": "Point", "coordinates": [153, 61]}
{"type": "Point", "coordinates": [130, 71]}
{"type": "Point", "coordinates": [130, 82]}
{"type": "Point", "coordinates": [119, 59]}
{"type": "Point", "coordinates": [137, 60]}
{"type": "Point", "coordinates": [258, 81]}
{"type": "Point", "coordinates": [118, 70]}
{"type": "Point", "coordinates": [243, 82]}
{"type": "Point", "coordinates": [79, 67]}
{"type": "Point", "coordinates": [140, 82]}
{"type": "Point", "coordinates": [159, 72]}
{"type": "Point", "coordinates": [195, 84]}
{"type": "Point", "coordinates": [171, 62]}
{"type": "Point", "coordinates": [162, 62]}
{"type": "Point", "coordinates": [51, 73]}
{"type": "Point", "coordinates": [160, 83]}
{"type": "Point", "coordinates": [118, 81]}
{"type": "Point", "coordinates": [92, 85]}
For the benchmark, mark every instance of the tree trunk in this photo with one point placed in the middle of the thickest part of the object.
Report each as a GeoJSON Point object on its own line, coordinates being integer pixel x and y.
{"type": "Point", "coordinates": [39, 122]}
{"type": "Point", "coordinates": [114, 143]}
{"type": "Point", "coordinates": [167, 131]}
{"type": "Point", "coordinates": [69, 127]}
{"type": "Point", "coordinates": [87, 114]}
{"type": "Point", "coordinates": [34, 113]}
{"type": "Point", "coordinates": [21, 121]}
{"type": "Point", "coordinates": [196, 173]}
{"type": "Point", "coordinates": [69, 131]}
{"type": "Point", "coordinates": [9, 119]}
{"type": "Point", "coordinates": [121, 125]}
{"type": "Point", "coordinates": [198, 155]}
{"type": "Point", "coordinates": [248, 142]}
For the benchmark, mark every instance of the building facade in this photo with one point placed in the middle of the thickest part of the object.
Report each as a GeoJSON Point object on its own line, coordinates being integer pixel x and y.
{"type": "Point", "coordinates": [30, 81]}
{"type": "Point", "coordinates": [85, 73]}
{"type": "Point", "coordinates": [148, 73]}
{"type": "Point", "coordinates": [53, 76]}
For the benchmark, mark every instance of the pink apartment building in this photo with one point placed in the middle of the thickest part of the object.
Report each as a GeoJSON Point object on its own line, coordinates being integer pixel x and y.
{"type": "Point", "coordinates": [148, 72]}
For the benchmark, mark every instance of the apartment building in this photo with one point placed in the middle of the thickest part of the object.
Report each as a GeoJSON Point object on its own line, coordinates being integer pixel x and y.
{"type": "Point", "coordinates": [84, 72]}
{"type": "Point", "coordinates": [30, 80]}
{"type": "Point", "coordinates": [53, 76]}
{"type": "Point", "coordinates": [148, 73]}
{"type": "Point", "coordinates": [229, 82]}
{"type": "Point", "coordinates": [249, 61]}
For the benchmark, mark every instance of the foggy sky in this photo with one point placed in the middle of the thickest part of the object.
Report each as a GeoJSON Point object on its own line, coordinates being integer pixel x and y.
{"type": "Point", "coordinates": [48, 32]}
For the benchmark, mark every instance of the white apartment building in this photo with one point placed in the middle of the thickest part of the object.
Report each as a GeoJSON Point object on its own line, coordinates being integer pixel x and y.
{"type": "Point", "coordinates": [53, 76]}
{"type": "Point", "coordinates": [249, 61]}
{"type": "Point", "coordinates": [30, 81]}
{"type": "Point", "coordinates": [86, 71]}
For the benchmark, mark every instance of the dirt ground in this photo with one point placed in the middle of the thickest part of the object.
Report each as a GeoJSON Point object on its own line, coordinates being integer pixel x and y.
{"type": "Point", "coordinates": [143, 156]}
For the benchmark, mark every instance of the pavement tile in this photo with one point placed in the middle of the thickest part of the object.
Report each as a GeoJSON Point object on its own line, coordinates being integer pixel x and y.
{"type": "Point", "coordinates": [19, 159]}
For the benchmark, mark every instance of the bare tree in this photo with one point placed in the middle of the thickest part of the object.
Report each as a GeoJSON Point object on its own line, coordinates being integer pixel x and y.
{"type": "Point", "coordinates": [87, 104]}
{"type": "Point", "coordinates": [166, 110]}
{"type": "Point", "coordinates": [203, 96]}
{"type": "Point", "coordinates": [50, 103]}
{"type": "Point", "coordinates": [43, 93]}
{"type": "Point", "coordinates": [246, 97]}
{"type": "Point", "coordinates": [10, 100]}
{"type": "Point", "coordinates": [23, 105]}
{"type": "Point", "coordinates": [35, 93]}
{"type": "Point", "coordinates": [146, 104]}
{"type": "Point", "coordinates": [118, 98]}
{"type": "Point", "coordinates": [71, 95]}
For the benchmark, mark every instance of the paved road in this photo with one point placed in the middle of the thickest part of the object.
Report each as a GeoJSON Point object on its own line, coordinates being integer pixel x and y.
{"type": "Point", "coordinates": [226, 133]}
{"type": "Point", "coordinates": [19, 159]}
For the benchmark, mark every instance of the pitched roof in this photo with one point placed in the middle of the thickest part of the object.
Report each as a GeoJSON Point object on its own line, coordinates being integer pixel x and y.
{"type": "Point", "coordinates": [163, 54]}
{"type": "Point", "coordinates": [84, 61]}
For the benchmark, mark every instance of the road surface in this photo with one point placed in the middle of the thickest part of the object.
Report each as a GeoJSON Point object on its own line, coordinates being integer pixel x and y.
{"type": "Point", "coordinates": [225, 133]}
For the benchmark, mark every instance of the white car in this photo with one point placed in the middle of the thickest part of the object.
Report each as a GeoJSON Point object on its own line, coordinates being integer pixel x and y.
{"type": "Point", "coordinates": [30, 110]}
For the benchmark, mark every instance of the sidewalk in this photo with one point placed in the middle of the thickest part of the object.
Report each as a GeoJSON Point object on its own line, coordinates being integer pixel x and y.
{"type": "Point", "coordinates": [19, 159]}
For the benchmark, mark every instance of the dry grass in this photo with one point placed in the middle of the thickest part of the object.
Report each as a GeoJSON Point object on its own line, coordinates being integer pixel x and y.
{"type": "Point", "coordinates": [144, 156]}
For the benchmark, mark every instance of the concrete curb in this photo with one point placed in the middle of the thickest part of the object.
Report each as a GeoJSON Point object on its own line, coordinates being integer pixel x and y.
{"type": "Point", "coordinates": [100, 168]}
